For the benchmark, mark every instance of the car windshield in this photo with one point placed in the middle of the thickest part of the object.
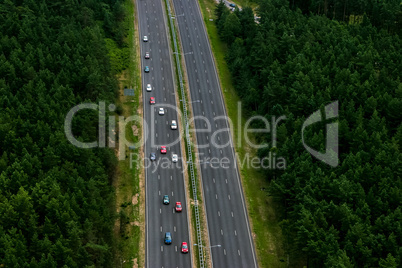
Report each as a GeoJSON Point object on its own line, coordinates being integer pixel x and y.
{"type": "Point", "coordinates": [185, 246]}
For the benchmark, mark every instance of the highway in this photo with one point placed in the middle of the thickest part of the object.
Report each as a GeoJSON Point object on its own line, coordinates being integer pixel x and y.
{"type": "Point", "coordinates": [226, 213]}
{"type": "Point", "coordinates": [162, 177]}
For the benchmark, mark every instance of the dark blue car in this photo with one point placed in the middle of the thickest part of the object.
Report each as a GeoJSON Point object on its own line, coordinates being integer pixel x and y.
{"type": "Point", "coordinates": [168, 238]}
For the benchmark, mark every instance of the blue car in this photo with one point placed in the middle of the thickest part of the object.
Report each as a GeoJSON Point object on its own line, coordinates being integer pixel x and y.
{"type": "Point", "coordinates": [232, 5]}
{"type": "Point", "coordinates": [146, 69]}
{"type": "Point", "coordinates": [168, 238]}
{"type": "Point", "coordinates": [166, 200]}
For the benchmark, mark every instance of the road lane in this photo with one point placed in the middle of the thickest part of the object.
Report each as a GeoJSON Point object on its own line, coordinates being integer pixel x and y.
{"type": "Point", "coordinates": [161, 180]}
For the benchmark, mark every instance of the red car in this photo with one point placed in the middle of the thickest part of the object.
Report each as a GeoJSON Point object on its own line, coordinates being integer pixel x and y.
{"type": "Point", "coordinates": [178, 207]}
{"type": "Point", "coordinates": [163, 149]}
{"type": "Point", "coordinates": [184, 247]}
{"type": "Point", "coordinates": [152, 100]}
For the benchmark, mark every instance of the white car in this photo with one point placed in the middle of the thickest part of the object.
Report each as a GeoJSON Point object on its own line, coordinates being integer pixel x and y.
{"type": "Point", "coordinates": [161, 111]}
{"type": "Point", "coordinates": [149, 88]}
{"type": "Point", "coordinates": [174, 124]}
{"type": "Point", "coordinates": [175, 158]}
{"type": "Point", "coordinates": [145, 39]}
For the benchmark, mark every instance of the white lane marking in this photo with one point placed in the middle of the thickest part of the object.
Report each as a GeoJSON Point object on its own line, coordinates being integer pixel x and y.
{"type": "Point", "coordinates": [159, 177]}
{"type": "Point", "coordinates": [216, 196]}
{"type": "Point", "coordinates": [175, 248]}
{"type": "Point", "coordinates": [209, 150]}
{"type": "Point", "coordinates": [174, 228]}
{"type": "Point", "coordinates": [207, 137]}
{"type": "Point", "coordinates": [161, 229]}
{"type": "Point", "coordinates": [172, 193]}
{"type": "Point", "coordinates": [162, 248]}
{"type": "Point", "coordinates": [212, 179]}
{"type": "Point", "coordinates": [232, 214]}
{"type": "Point", "coordinates": [168, 134]}
{"type": "Point", "coordinates": [226, 181]}
{"type": "Point", "coordinates": [216, 125]}
{"type": "Point", "coordinates": [171, 178]}
{"type": "Point", "coordinates": [221, 232]}
{"type": "Point", "coordinates": [224, 251]}
{"type": "Point", "coordinates": [219, 213]}
{"type": "Point", "coordinates": [229, 196]}
{"type": "Point", "coordinates": [160, 211]}
{"type": "Point", "coordinates": [221, 151]}
{"type": "Point", "coordinates": [235, 233]}
{"type": "Point", "coordinates": [212, 102]}
{"type": "Point", "coordinates": [238, 251]}
{"type": "Point", "coordinates": [156, 135]}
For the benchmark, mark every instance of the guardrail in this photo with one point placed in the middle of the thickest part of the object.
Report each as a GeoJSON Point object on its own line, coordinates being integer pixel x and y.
{"type": "Point", "coordinates": [188, 141]}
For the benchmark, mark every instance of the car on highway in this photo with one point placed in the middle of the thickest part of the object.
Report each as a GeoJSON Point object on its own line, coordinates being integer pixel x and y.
{"type": "Point", "coordinates": [175, 158]}
{"type": "Point", "coordinates": [163, 150]}
{"type": "Point", "coordinates": [168, 238]}
{"type": "Point", "coordinates": [146, 69]}
{"type": "Point", "coordinates": [147, 55]}
{"type": "Point", "coordinates": [145, 38]}
{"type": "Point", "coordinates": [232, 5]}
{"type": "Point", "coordinates": [149, 87]}
{"type": "Point", "coordinates": [178, 207]}
{"type": "Point", "coordinates": [184, 247]}
{"type": "Point", "coordinates": [166, 200]}
{"type": "Point", "coordinates": [161, 111]}
{"type": "Point", "coordinates": [152, 156]}
{"type": "Point", "coordinates": [173, 125]}
{"type": "Point", "coordinates": [152, 100]}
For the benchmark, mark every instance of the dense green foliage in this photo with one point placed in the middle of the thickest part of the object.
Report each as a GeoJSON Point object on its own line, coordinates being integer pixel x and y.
{"type": "Point", "coordinates": [294, 64]}
{"type": "Point", "coordinates": [55, 199]}
{"type": "Point", "coordinates": [387, 14]}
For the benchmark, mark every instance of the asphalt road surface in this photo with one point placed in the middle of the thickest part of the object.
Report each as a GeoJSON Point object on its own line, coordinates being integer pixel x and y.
{"type": "Point", "coordinates": [227, 219]}
{"type": "Point", "coordinates": [162, 176]}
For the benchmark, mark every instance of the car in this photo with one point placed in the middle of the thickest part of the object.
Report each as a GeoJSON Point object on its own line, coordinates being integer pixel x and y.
{"type": "Point", "coordinates": [168, 238]}
{"type": "Point", "coordinates": [232, 5]}
{"type": "Point", "coordinates": [161, 111]}
{"type": "Point", "coordinates": [178, 207]}
{"type": "Point", "coordinates": [152, 100]}
{"type": "Point", "coordinates": [145, 38]}
{"type": "Point", "coordinates": [146, 69]}
{"type": "Point", "coordinates": [173, 125]}
{"type": "Point", "coordinates": [175, 158]}
{"type": "Point", "coordinates": [163, 149]}
{"type": "Point", "coordinates": [184, 247]}
{"type": "Point", "coordinates": [166, 200]}
{"type": "Point", "coordinates": [147, 55]}
{"type": "Point", "coordinates": [149, 87]}
{"type": "Point", "coordinates": [152, 156]}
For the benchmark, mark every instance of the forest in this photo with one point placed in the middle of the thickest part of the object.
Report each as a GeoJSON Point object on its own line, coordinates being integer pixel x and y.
{"type": "Point", "coordinates": [299, 57]}
{"type": "Point", "coordinates": [56, 200]}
